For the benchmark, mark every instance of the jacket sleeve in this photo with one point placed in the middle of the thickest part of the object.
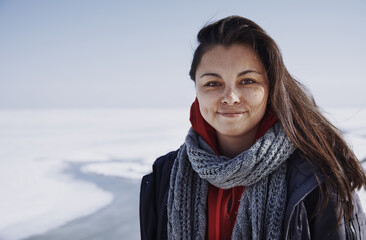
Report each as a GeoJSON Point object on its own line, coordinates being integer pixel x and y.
{"type": "Point", "coordinates": [147, 209]}
{"type": "Point", "coordinates": [323, 221]}
{"type": "Point", "coordinates": [153, 198]}
{"type": "Point", "coordinates": [311, 222]}
{"type": "Point", "coordinates": [357, 224]}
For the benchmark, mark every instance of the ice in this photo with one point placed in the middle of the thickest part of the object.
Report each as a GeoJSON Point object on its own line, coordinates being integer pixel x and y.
{"type": "Point", "coordinates": [46, 202]}
{"type": "Point", "coordinates": [352, 122]}
{"type": "Point", "coordinates": [131, 170]}
{"type": "Point", "coordinates": [38, 145]}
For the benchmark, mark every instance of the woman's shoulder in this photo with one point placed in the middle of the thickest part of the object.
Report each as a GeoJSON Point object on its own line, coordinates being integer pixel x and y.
{"type": "Point", "coordinates": [161, 169]}
{"type": "Point", "coordinates": [153, 197]}
{"type": "Point", "coordinates": [301, 174]}
{"type": "Point", "coordinates": [165, 162]}
{"type": "Point", "coordinates": [304, 193]}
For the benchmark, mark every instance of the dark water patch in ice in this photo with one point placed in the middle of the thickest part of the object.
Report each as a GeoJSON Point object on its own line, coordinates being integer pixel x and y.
{"type": "Point", "coordinates": [118, 220]}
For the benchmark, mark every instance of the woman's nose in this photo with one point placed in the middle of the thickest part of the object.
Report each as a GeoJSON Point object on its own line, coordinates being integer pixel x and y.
{"type": "Point", "coordinates": [230, 97]}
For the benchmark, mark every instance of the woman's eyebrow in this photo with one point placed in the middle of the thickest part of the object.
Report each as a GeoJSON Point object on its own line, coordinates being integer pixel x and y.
{"type": "Point", "coordinates": [212, 75]}
{"type": "Point", "coordinates": [248, 71]}
{"type": "Point", "coordinates": [239, 74]}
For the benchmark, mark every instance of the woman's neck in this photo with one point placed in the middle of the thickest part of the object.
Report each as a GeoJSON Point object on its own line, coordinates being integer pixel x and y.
{"type": "Point", "coordinates": [232, 146]}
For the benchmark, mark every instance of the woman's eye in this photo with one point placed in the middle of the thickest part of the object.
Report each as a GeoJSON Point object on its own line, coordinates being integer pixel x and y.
{"type": "Point", "coordinates": [247, 81]}
{"type": "Point", "coordinates": [212, 84]}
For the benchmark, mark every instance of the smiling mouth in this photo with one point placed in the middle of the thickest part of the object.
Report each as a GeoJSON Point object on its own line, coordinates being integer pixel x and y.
{"type": "Point", "coordinates": [231, 114]}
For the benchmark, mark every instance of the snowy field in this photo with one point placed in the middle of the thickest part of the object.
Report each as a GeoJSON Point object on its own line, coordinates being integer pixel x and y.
{"type": "Point", "coordinates": [36, 146]}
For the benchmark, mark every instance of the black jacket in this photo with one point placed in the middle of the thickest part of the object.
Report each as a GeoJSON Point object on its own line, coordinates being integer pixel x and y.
{"type": "Point", "coordinates": [303, 195]}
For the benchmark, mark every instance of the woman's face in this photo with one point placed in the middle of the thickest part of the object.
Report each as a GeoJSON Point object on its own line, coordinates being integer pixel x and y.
{"type": "Point", "coordinates": [232, 90]}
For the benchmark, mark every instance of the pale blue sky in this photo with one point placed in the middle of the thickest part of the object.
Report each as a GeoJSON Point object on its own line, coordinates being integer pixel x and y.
{"type": "Point", "coordinates": [118, 54]}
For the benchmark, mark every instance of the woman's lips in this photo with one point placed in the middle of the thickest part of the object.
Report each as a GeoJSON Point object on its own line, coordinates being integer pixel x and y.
{"type": "Point", "coordinates": [231, 113]}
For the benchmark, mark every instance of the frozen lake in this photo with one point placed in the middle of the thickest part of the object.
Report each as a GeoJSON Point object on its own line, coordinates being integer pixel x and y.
{"type": "Point", "coordinates": [48, 158]}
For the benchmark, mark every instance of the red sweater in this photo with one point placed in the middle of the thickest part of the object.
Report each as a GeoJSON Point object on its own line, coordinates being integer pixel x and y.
{"type": "Point", "coordinates": [222, 204]}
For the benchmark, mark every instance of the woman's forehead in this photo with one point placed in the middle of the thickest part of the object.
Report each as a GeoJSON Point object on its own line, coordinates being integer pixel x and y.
{"type": "Point", "coordinates": [238, 56]}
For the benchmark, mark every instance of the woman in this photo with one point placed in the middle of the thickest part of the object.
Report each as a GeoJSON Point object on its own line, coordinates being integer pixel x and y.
{"type": "Point", "coordinates": [260, 161]}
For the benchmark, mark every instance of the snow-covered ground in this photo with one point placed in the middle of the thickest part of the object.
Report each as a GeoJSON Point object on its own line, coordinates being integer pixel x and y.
{"type": "Point", "coordinates": [37, 145]}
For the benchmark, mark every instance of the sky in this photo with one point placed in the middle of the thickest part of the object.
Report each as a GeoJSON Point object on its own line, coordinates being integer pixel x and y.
{"type": "Point", "coordinates": [137, 54]}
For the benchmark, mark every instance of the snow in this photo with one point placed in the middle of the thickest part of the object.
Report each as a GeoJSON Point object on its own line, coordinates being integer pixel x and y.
{"type": "Point", "coordinates": [37, 146]}
{"type": "Point", "coordinates": [352, 121]}
{"type": "Point", "coordinates": [131, 170]}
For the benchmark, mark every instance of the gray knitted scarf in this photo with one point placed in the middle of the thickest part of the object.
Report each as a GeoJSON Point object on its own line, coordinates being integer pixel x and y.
{"type": "Point", "coordinates": [261, 169]}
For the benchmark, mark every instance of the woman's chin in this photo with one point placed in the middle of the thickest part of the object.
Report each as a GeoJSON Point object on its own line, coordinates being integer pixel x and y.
{"type": "Point", "coordinates": [233, 132]}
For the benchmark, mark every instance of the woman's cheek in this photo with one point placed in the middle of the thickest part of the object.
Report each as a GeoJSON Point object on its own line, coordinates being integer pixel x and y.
{"type": "Point", "coordinates": [255, 97]}
{"type": "Point", "coordinates": [207, 98]}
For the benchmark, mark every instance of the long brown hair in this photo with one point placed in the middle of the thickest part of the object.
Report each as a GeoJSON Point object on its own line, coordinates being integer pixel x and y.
{"type": "Point", "coordinates": [318, 140]}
